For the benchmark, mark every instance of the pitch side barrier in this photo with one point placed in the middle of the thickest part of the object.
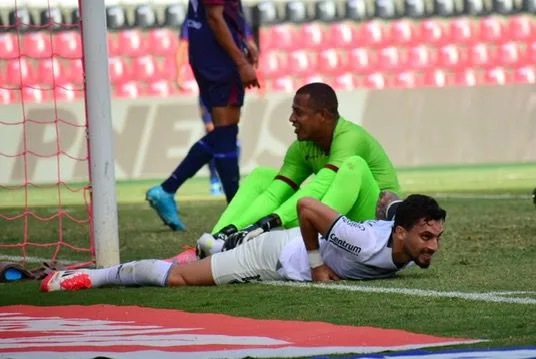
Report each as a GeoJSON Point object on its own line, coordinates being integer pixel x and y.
{"type": "Point", "coordinates": [417, 127]}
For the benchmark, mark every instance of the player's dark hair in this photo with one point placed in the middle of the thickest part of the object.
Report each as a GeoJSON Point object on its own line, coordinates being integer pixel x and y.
{"type": "Point", "coordinates": [322, 97]}
{"type": "Point", "coordinates": [416, 207]}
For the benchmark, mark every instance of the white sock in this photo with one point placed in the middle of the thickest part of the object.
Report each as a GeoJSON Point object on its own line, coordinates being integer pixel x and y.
{"type": "Point", "coordinates": [217, 246]}
{"type": "Point", "coordinates": [147, 272]}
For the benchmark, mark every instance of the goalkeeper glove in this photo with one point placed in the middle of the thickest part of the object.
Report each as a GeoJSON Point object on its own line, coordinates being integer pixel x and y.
{"type": "Point", "coordinates": [263, 225]}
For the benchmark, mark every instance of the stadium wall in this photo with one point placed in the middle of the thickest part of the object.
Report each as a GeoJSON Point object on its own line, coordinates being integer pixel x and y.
{"type": "Point", "coordinates": [444, 126]}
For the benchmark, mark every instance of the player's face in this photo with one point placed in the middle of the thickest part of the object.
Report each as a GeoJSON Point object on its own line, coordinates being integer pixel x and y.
{"type": "Point", "coordinates": [422, 241]}
{"type": "Point", "coordinates": [305, 120]}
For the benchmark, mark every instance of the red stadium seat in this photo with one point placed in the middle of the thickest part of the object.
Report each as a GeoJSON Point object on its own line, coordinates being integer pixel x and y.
{"type": "Point", "coordinates": [37, 45]}
{"type": "Point", "coordinates": [7, 96]}
{"type": "Point", "coordinates": [300, 62]}
{"type": "Point", "coordinates": [9, 46]}
{"type": "Point", "coordinates": [344, 82]}
{"type": "Point", "coordinates": [270, 64]}
{"type": "Point", "coordinates": [32, 94]}
{"type": "Point", "coordinates": [119, 71]}
{"type": "Point", "coordinates": [419, 57]}
{"type": "Point", "coordinates": [132, 43]}
{"type": "Point", "coordinates": [74, 71]}
{"type": "Point", "coordinates": [312, 78]}
{"type": "Point", "coordinates": [283, 37]}
{"type": "Point", "coordinates": [436, 78]}
{"type": "Point", "coordinates": [360, 60]}
{"type": "Point", "coordinates": [496, 76]}
{"type": "Point", "coordinates": [265, 39]}
{"type": "Point", "coordinates": [162, 42]}
{"type": "Point", "coordinates": [375, 80]}
{"type": "Point", "coordinates": [51, 72]}
{"type": "Point", "coordinates": [189, 88]}
{"type": "Point", "coordinates": [401, 33]}
{"type": "Point", "coordinates": [68, 44]}
{"type": "Point", "coordinates": [521, 28]}
{"type": "Point", "coordinates": [113, 45]}
{"type": "Point", "coordinates": [161, 88]}
{"type": "Point", "coordinates": [491, 29]}
{"type": "Point", "coordinates": [67, 92]}
{"type": "Point", "coordinates": [530, 58]}
{"type": "Point", "coordinates": [508, 54]}
{"type": "Point", "coordinates": [432, 32]}
{"type": "Point", "coordinates": [389, 58]}
{"type": "Point", "coordinates": [449, 56]}
{"type": "Point", "coordinates": [145, 68]}
{"type": "Point", "coordinates": [466, 77]}
{"type": "Point", "coordinates": [479, 55]}
{"type": "Point", "coordinates": [330, 62]}
{"type": "Point", "coordinates": [406, 79]}
{"type": "Point", "coordinates": [461, 31]}
{"type": "Point", "coordinates": [525, 75]}
{"type": "Point", "coordinates": [283, 84]}
{"type": "Point", "coordinates": [372, 34]}
{"type": "Point", "coordinates": [128, 90]}
{"type": "Point", "coordinates": [341, 35]}
{"type": "Point", "coordinates": [310, 36]}
{"type": "Point", "coordinates": [20, 73]}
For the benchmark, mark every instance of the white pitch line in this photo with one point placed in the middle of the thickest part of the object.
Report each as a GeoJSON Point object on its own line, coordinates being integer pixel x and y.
{"type": "Point", "coordinates": [481, 196]}
{"type": "Point", "coordinates": [483, 297]}
{"type": "Point", "coordinates": [31, 259]}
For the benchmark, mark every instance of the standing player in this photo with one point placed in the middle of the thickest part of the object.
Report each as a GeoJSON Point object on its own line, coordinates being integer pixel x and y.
{"type": "Point", "coordinates": [181, 58]}
{"type": "Point", "coordinates": [346, 250]}
{"type": "Point", "coordinates": [223, 66]}
{"type": "Point", "coordinates": [338, 152]}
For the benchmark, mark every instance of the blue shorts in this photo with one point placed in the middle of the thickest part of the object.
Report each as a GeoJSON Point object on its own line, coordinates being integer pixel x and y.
{"type": "Point", "coordinates": [226, 91]}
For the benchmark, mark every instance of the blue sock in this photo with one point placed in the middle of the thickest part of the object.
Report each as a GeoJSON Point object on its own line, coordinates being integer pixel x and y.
{"type": "Point", "coordinates": [198, 156]}
{"type": "Point", "coordinates": [226, 159]}
{"type": "Point", "coordinates": [213, 172]}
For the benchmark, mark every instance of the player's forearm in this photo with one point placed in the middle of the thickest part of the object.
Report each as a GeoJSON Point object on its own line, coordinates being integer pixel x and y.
{"type": "Point", "coordinates": [181, 55]}
{"type": "Point", "coordinates": [223, 35]}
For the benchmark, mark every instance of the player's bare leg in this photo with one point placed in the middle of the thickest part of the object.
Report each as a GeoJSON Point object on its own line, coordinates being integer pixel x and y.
{"type": "Point", "coordinates": [195, 273]}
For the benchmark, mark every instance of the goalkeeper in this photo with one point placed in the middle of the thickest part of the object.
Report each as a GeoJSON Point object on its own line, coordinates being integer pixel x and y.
{"type": "Point", "coordinates": [329, 146]}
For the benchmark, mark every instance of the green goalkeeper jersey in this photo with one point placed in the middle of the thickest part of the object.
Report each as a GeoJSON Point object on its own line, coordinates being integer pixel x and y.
{"type": "Point", "coordinates": [304, 158]}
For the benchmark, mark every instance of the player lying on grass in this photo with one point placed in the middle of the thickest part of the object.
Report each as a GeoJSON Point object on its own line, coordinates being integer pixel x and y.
{"type": "Point", "coordinates": [326, 146]}
{"type": "Point", "coordinates": [326, 246]}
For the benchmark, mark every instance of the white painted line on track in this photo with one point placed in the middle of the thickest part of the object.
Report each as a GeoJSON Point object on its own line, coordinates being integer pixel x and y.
{"type": "Point", "coordinates": [494, 297]}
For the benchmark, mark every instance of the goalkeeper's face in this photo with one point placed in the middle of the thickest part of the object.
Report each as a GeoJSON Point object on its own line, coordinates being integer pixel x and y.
{"type": "Point", "coordinates": [308, 123]}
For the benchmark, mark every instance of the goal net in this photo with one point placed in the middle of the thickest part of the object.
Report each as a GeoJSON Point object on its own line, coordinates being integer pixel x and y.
{"type": "Point", "coordinates": [45, 192]}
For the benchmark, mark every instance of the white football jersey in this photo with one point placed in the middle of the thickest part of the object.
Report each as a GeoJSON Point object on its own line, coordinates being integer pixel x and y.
{"type": "Point", "coordinates": [353, 250]}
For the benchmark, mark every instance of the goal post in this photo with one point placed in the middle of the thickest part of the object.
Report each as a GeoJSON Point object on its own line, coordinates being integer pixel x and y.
{"type": "Point", "coordinates": [100, 132]}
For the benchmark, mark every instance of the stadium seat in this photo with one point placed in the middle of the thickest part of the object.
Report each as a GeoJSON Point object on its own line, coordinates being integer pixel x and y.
{"type": "Point", "coordinates": [436, 78]}
{"type": "Point", "coordinates": [67, 92]}
{"type": "Point", "coordinates": [530, 58]}
{"type": "Point", "coordinates": [520, 28]}
{"type": "Point", "coordinates": [316, 77]}
{"type": "Point", "coordinates": [9, 46]}
{"type": "Point", "coordinates": [508, 55]}
{"type": "Point", "coordinates": [7, 96]}
{"type": "Point", "coordinates": [144, 17]}
{"type": "Point", "coordinates": [162, 42]}
{"type": "Point", "coordinates": [20, 72]}
{"type": "Point", "coordinates": [174, 16]}
{"type": "Point", "coordinates": [113, 45]}
{"type": "Point", "coordinates": [449, 57]}
{"type": "Point", "coordinates": [474, 8]}
{"type": "Point", "coordinates": [129, 89]}
{"type": "Point", "coordinates": [170, 67]}
{"type": "Point", "coordinates": [414, 9]}
{"type": "Point", "coordinates": [461, 31]}
{"type": "Point", "coordinates": [189, 88]}
{"type": "Point", "coordinates": [528, 6]}
{"type": "Point", "coordinates": [37, 45]}
{"type": "Point", "coordinates": [50, 72]}
{"type": "Point", "coordinates": [503, 7]}
{"type": "Point", "coordinates": [375, 80]}
{"type": "Point", "coordinates": [356, 10]}
{"type": "Point", "coordinates": [444, 8]}
{"type": "Point", "coordinates": [524, 75]}
{"type": "Point", "coordinates": [330, 62]}
{"type": "Point", "coordinates": [270, 64]}
{"type": "Point", "coordinates": [360, 60]}
{"type": "Point", "coordinates": [283, 37]}
{"type": "Point", "coordinates": [116, 18]}
{"type": "Point", "coordinates": [119, 70]}
{"type": "Point", "coordinates": [389, 58]}
{"type": "Point", "coordinates": [326, 11]}
{"type": "Point", "coordinates": [52, 19]}
{"type": "Point", "coordinates": [496, 76]}
{"type": "Point", "coordinates": [432, 32]}
{"type": "Point", "coordinates": [296, 12]}
{"type": "Point", "coordinates": [74, 70]}
{"type": "Point", "coordinates": [21, 19]}
{"type": "Point", "coordinates": [466, 77]}
{"type": "Point", "coordinates": [344, 82]}
{"type": "Point", "coordinates": [479, 55]}
{"type": "Point", "coordinates": [132, 43]}
{"type": "Point", "coordinates": [161, 88]}
{"type": "Point", "coordinates": [418, 58]}
{"type": "Point", "coordinates": [299, 63]}
{"type": "Point", "coordinates": [341, 35]}
{"type": "Point", "coordinates": [265, 39]}
{"type": "Point", "coordinates": [491, 29]}
{"type": "Point", "coordinates": [401, 32]}
{"type": "Point", "coordinates": [385, 9]}
{"type": "Point", "coordinates": [33, 95]}
{"type": "Point", "coordinates": [145, 69]}
{"type": "Point", "coordinates": [406, 79]}
{"type": "Point", "coordinates": [310, 36]}
{"type": "Point", "coordinates": [268, 13]}
{"type": "Point", "coordinates": [67, 44]}
{"type": "Point", "coordinates": [75, 18]}
{"type": "Point", "coordinates": [283, 84]}
{"type": "Point", "coordinates": [371, 34]}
